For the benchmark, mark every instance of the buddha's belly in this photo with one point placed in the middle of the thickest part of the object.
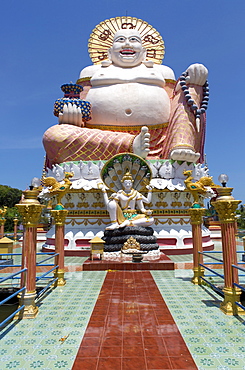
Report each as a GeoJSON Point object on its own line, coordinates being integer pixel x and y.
{"type": "Point", "coordinates": [129, 104]}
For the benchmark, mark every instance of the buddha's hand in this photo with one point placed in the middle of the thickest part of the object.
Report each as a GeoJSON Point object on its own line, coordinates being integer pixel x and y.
{"type": "Point", "coordinates": [197, 74]}
{"type": "Point", "coordinates": [184, 154]}
{"type": "Point", "coordinates": [148, 212]}
{"type": "Point", "coordinates": [141, 144]}
{"type": "Point", "coordinates": [71, 115]}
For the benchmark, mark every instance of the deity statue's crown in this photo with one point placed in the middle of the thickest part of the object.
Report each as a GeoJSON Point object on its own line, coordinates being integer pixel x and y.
{"type": "Point", "coordinates": [101, 38]}
{"type": "Point", "coordinates": [127, 176]}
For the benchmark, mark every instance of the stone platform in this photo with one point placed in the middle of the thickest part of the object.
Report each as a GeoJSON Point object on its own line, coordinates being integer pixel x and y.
{"type": "Point", "coordinates": [164, 263]}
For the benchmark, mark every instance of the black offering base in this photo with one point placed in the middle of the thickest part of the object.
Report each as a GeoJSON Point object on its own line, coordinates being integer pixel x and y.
{"type": "Point", "coordinates": [114, 239]}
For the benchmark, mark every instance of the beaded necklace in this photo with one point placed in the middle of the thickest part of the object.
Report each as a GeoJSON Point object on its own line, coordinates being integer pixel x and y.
{"type": "Point", "coordinates": [194, 108]}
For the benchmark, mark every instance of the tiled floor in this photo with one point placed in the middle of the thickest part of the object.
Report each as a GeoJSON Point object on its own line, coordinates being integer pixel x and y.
{"type": "Point", "coordinates": [215, 341]}
{"type": "Point", "coordinates": [132, 328]}
{"type": "Point", "coordinates": [36, 344]}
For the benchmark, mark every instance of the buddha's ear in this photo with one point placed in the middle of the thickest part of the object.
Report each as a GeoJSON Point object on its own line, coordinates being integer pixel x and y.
{"type": "Point", "coordinates": [144, 53]}
{"type": "Point", "coordinates": [109, 54]}
{"type": "Point", "coordinates": [148, 63]}
{"type": "Point", "coordinates": [106, 63]}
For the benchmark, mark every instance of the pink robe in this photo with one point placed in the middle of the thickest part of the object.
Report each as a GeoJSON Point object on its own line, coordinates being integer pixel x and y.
{"type": "Point", "coordinates": [65, 142]}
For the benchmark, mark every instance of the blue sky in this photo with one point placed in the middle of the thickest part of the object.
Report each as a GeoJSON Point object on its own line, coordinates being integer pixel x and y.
{"type": "Point", "coordinates": [44, 44]}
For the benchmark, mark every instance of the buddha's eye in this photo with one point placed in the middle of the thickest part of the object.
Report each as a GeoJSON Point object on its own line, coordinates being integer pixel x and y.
{"type": "Point", "coordinates": [120, 39]}
{"type": "Point", "coordinates": [134, 39]}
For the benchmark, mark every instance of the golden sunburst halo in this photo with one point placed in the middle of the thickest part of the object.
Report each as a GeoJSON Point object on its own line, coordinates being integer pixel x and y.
{"type": "Point", "coordinates": [101, 38]}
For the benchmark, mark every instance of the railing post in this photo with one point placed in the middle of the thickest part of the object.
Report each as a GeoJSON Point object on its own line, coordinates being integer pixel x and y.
{"type": "Point", "coordinates": [226, 206]}
{"type": "Point", "coordinates": [196, 219]}
{"type": "Point", "coordinates": [30, 210]}
{"type": "Point", "coordinates": [59, 219]}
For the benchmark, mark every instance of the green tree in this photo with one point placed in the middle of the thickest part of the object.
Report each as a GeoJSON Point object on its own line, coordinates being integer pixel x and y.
{"type": "Point", "coordinates": [241, 217]}
{"type": "Point", "coordinates": [9, 197]}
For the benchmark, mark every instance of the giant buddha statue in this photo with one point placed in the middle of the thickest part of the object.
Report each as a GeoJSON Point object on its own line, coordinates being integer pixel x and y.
{"type": "Point", "coordinates": [137, 106]}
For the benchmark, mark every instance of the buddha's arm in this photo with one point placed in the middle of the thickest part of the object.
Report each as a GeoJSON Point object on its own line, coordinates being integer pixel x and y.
{"type": "Point", "coordinates": [147, 199]}
{"type": "Point", "coordinates": [85, 79]}
{"type": "Point", "coordinates": [102, 187]}
{"type": "Point", "coordinates": [169, 77]}
{"type": "Point", "coordinates": [142, 209]}
{"type": "Point", "coordinates": [185, 141]}
{"type": "Point", "coordinates": [140, 205]}
{"type": "Point", "coordinates": [72, 114]}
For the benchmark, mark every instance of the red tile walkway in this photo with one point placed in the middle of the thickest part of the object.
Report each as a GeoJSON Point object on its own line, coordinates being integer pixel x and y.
{"type": "Point", "coordinates": [132, 328]}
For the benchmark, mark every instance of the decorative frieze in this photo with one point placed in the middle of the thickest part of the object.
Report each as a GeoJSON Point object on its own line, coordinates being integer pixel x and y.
{"type": "Point", "coordinates": [176, 204]}
{"type": "Point", "coordinates": [69, 205]}
{"type": "Point", "coordinates": [82, 205]}
{"type": "Point", "coordinates": [161, 204]}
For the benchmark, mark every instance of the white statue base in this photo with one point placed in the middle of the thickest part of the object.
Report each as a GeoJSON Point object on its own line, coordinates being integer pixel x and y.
{"type": "Point", "coordinates": [88, 216]}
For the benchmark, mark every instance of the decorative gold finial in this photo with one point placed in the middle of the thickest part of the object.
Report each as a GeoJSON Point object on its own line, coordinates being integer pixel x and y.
{"type": "Point", "coordinates": [58, 188]}
{"type": "Point", "coordinates": [199, 187]}
{"type": "Point", "coordinates": [3, 212]}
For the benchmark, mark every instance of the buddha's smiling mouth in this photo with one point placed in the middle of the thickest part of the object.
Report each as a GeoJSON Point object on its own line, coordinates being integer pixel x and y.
{"type": "Point", "coordinates": [127, 52]}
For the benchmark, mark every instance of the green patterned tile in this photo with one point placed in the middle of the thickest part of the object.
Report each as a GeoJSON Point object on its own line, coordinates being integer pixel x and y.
{"type": "Point", "coordinates": [11, 364]}
{"type": "Point", "coordinates": [240, 354]}
{"type": "Point", "coordinates": [232, 362]}
{"type": "Point", "coordinates": [209, 334]}
{"type": "Point", "coordinates": [38, 340]}
{"type": "Point", "coordinates": [199, 347]}
{"type": "Point", "coordinates": [215, 340]}
{"type": "Point", "coordinates": [224, 349]}
{"type": "Point", "coordinates": [61, 364]}
{"type": "Point", "coordinates": [210, 330]}
{"type": "Point", "coordinates": [235, 339]}
{"type": "Point", "coordinates": [207, 362]}
{"type": "Point", "coordinates": [195, 340]}
{"type": "Point", "coordinates": [36, 364]}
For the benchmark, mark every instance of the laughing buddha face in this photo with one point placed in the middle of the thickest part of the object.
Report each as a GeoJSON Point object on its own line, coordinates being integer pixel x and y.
{"type": "Point", "coordinates": [127, 49]}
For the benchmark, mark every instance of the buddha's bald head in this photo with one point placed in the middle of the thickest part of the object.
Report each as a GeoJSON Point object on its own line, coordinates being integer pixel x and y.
{"type": "Point", "coordinates": [127, 49]}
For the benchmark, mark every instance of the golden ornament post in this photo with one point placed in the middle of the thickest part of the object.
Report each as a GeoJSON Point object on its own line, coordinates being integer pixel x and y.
{"type": "Point", "coordinates": [243, 242]}
{"type": "Point", "coordinates": [30, 209]}
{"type": "Point", "coordinates": [196, 218]}
{"type": "Point", "coordinates": [2, 222]}
{"type": "Point", "coordinates": [59, 216]}
{"type": "Point", "coordinates": [15, 220]}
{"type": "Point", "coordinates": [226, 206]}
